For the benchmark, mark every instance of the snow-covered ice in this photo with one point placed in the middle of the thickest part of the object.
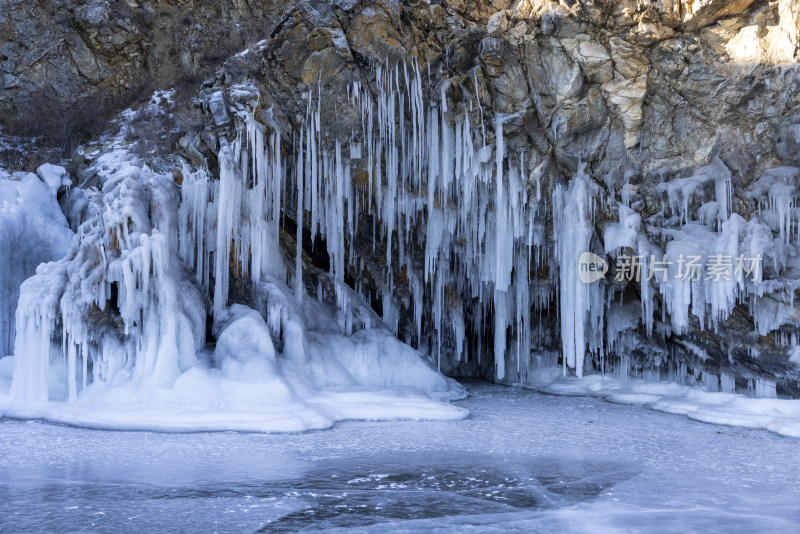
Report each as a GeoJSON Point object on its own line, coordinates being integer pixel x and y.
{"type": "Point", "coordinates": [523, 462]}
{"type": "Point", "coordinates": [54, 176]}
{"type": "Point", "coordinates": [781, 416]}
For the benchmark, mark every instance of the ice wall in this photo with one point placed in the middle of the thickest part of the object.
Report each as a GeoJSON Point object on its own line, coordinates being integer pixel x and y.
{"type": "Point", "coordinates": [467, 240]}
{"type": "Point", "coordinates": [32, 230]}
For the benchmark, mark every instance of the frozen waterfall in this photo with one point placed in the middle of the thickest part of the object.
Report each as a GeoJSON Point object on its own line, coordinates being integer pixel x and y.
{"type": "Point", "coordinates": [463, 239]}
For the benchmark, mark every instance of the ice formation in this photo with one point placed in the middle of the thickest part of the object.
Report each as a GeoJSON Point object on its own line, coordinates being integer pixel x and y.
{"type": "Point", "coordinates": [32, 230]}
{"type": "Point", "coordinates": [477, 218]}
{"type": "Point", "coordinates": [723, 407]}
{"type": "Point", "coordinates": [459, 224]}
{"type": "Point", "coordinates": [582, 304]}
{"type": "Point", "coordinates": [480, 208]}
{"type": "Point", "coordinates": [118, 324]}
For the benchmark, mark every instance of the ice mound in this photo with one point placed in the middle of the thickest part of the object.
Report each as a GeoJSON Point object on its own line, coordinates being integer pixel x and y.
{"type": "Point", "coordinates": [113, 334]}
{"type": "Point", "coordinates": [244, 349]}
{"type": "Point", "coordinates": [246, 385]}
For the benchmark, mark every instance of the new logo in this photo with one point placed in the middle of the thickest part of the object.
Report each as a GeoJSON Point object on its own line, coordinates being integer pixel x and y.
{"type": "Point", "coordinates": [591, 267]}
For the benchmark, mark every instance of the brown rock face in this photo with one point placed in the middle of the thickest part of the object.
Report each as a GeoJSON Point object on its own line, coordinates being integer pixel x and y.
{"type": "Point", "coordinates": [65, 49]}
{"type": "Point", "coordinates": [698, 13]}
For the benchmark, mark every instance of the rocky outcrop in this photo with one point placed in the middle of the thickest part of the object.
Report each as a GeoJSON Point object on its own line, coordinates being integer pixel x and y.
{"type": "Point", "coordinates": [62, 50]}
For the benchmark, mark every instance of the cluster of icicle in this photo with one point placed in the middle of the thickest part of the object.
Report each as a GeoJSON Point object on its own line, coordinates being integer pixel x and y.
{"type": "Point", "coordinates": [477, 219]}
{"type": "Point", "coordinates": [121, 257]}
{"type": "Point", "coordinates": [479, 210]}
{"type": "Point", "coordinates": [430, 178]}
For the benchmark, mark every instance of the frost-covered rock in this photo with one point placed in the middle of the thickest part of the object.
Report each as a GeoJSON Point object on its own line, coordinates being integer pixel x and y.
{"type": "Point", "coordinates": [219, 109]}
{"type": "Point", "coordinates": [54, 176]}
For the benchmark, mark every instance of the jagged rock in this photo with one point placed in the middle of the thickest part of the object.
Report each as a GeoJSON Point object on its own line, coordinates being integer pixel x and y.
{"type": "Point", "coordinates": [498, 23]}
{"type": "Point", "coordinates": [590, 113]}
{"type": "Point", "coordinates": [506, 74]}
{"type": "Point", "coordinates": [61, 50]}
{"type": "Point", "coordinates": [787, 142]}
{"type": "Point", "coordinates": [592, 56]}
{"type": "Point", "coordinates": [698, 13]}
{"type": "Point", "coordinates": [86, 62]}
{"type": "Point", "coordinates": [374, 35]}
{"type": "Point", "coordinates": [219, 109]}
{"type": "Point", "coordinates": [552, 75]}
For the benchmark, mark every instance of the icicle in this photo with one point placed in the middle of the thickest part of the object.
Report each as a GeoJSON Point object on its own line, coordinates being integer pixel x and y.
{"type": "Point", "coordinates": [298, 265]}
{"type": "Point", "coordinates": [227, 226]}
{"type": "Point", "coordinates": [500, 326]}
{"type": "Point", "coordinates": [581, 303]}
{"type": "Point", "coordinates": [36, 315]}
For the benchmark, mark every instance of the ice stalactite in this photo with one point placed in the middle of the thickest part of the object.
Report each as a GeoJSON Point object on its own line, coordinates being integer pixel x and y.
{"type": "Point", "coordinates": [478, 220]}
{"type": "Point", "coordinates": [197, 222]}
{"type": "Point", "coordinates": [581, 304]}
{"type": "Point", "coordinates": [299, 180]}
{"type": "Point", "coordinates": [228, 218]}
{"type": "Point", "coordinates": [234, 222]}
{"type": "Point", "coordinates": [120, 272]}
{"type": "Point", "coordinates": [36, 322]}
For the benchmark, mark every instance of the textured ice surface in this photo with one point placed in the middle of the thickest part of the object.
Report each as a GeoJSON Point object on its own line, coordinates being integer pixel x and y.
{"type": "Point", "coordinates": [523, 462]}
{"type": "Point", "coordinates": [725, 408]}
{"type": "Point", "coordinates": [32, 230]}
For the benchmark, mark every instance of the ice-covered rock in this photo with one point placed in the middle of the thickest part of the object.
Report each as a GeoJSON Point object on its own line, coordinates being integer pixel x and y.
{"type": "Point", "coordinates": [118, 323]}
{"type": "Point", "coordinates": [32, 230]}
{"type": "Point", "coordinates": [54, 176]}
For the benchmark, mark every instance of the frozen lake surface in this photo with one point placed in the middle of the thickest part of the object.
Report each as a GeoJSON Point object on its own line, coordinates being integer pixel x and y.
{"type": "Point", "coordinates": [522, 462]}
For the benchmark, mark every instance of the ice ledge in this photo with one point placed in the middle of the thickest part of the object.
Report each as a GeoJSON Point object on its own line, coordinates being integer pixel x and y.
{"type": "Point", "coordinates": [781, 416]}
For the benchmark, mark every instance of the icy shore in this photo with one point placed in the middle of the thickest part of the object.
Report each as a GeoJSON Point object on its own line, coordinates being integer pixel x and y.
{"type": "Point", "coordinates": [523, 462]}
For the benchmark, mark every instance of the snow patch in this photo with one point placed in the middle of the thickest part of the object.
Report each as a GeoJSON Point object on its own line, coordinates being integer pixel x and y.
{"type": "Point", "coordinates": [781, 416]}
